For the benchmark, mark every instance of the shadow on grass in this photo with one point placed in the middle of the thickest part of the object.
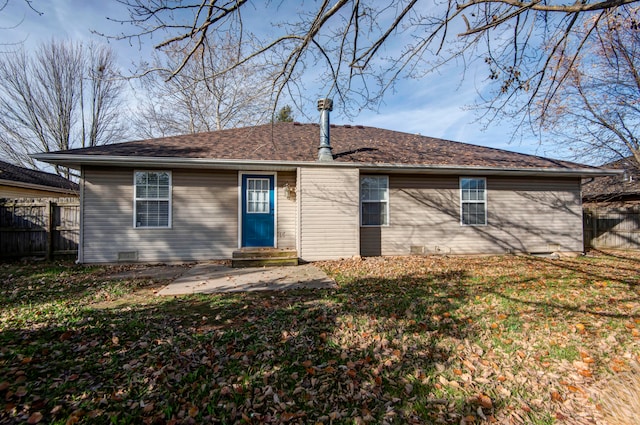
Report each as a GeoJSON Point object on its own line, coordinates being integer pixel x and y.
{"type": "Point", "coordinates": [370, 350]}
{"type": "Point", "coordinates": [625, 255]}
{"type": "Point", "coordinates": [44, 285]}
{"type": "Point", "coordinates": [378, 348]}
{"type": "Point", "coordinates": [625, 272]}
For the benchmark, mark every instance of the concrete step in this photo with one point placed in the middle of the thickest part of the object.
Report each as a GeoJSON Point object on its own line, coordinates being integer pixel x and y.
{"type": "Point", "coordinates": [264, 257]}
{"type": "Point", "coordinates": [265, 253]}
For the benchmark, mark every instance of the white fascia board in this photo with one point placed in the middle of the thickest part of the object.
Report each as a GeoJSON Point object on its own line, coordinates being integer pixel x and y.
{"type": "Point", "coordinates": [34, 186]}
{"type": "Point", "coordinates": [75, 161]}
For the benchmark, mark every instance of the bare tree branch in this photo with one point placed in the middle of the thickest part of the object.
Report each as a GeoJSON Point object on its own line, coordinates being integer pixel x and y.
{"type": "Point", "coordinates": [199, 98]}
{"type": "Point", "coordinates": [43, 103]}
{"type": "Point", "coordinates": [596, 111]}
{"type": "Point", "coordinates": [359, 48]}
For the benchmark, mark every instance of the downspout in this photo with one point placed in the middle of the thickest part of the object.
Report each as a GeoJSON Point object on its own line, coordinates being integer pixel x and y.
{"type": "Point", "coordinates": [324, 150]}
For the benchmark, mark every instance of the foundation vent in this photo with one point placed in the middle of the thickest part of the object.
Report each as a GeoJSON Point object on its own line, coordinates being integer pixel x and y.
{"type": "Point", "coordinates": [128, 256]}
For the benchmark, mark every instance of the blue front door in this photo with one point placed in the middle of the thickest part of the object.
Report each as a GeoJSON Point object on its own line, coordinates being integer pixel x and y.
{"type": "Point", "coordinates": [257, 210]}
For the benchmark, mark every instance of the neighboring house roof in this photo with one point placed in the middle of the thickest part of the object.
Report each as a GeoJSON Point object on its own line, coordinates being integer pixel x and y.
{"type": "Point", "coordinates": [296, 144]}
{"type": "Point", "coordinates": [615, 188]}
{"type": "Point", "coordinates": [12, 175]}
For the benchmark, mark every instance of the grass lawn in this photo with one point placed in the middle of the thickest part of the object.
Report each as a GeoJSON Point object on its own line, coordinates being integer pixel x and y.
{"type": "Point", "coordinates": [402, 340]}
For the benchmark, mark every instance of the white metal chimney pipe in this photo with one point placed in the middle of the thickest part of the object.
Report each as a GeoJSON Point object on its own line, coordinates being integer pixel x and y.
{"type": "Point", "coordinates": [324, 150]}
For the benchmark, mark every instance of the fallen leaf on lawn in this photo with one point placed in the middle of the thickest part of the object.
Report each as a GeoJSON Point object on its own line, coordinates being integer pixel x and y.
{"type": "Point", "coordinates": [408, 388]}
{"type": "Point", "coordinates": [75, 417]}
{"type": "Point", "coordinates": [482, 416]}
{"type": "Point", "coordinates": [34, 418]}
{"type": "Point", "coordinates": [66, 335]}
{"type": "Point", "coordinates": [193, 411]}
{"type": "Point", "coordinates": [555, 396]}
{"type": "Point", "coordinates": [469, 365]}
{"type": "Point", "coordinates": [586, 358]}
{"type": "Point", "coordinates": [485, 401]}
{"type": "Point", "coordinates": [574, 389]}
{"type": "Point", "coordinates": [95, 413]}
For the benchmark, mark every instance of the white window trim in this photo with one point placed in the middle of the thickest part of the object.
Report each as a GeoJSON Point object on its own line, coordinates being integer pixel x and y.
{"type": "Point", "coordinates": [170, 197]}
{"type": "Point", "coordinates": [246, 206]}
{"type": "Point", "coordinates": [386, 202]}
{"type": "Point", "coordinates": [484, 201]}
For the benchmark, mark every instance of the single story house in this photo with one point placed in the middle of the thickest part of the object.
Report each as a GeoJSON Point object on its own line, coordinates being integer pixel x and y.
{"type": "Point", "coordinates": [363, 192]}
{"type": "Point", "coordinates": [20, 182]}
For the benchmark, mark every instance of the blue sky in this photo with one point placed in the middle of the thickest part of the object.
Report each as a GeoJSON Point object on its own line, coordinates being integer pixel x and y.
{"type": "Point", "coordinates": [432, 106]}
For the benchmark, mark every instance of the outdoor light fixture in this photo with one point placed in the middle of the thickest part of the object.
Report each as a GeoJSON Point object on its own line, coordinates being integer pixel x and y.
{"type": "Point", "coordinates": [289, 192]}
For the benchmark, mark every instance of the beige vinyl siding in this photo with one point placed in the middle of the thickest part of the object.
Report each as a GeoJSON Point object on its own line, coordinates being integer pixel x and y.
{"type": "Point", "coordinates": [203, 226]}
{"type": "Point", "coordinates": [287, 211]}
{"type": "Point", "coordinates": [328, 217]}
{"type": "Point", "coordinates": [523, 215]}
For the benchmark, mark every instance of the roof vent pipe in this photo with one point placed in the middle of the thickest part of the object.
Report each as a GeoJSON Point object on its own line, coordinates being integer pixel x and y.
{"type": "Point", "coordinates": [324, 150]}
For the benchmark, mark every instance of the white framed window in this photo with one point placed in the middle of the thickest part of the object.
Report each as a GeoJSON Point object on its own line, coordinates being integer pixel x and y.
{"type": "Point", "coordinates": [258, 195]}
{"type": "Point", "coordinates": [374, 200]}
{"type": "Point", "coordinates": [473, 201]}
{"type": "Point", "coordinates": [152, 199]}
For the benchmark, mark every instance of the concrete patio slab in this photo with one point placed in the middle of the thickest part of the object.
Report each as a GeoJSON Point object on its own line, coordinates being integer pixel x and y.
{"type": "Point", "coordinates": [206, 278]}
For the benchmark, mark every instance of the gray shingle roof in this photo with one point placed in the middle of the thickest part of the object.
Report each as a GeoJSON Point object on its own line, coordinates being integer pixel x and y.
{"type": "Point", "coordinates": [611, 188]}
{"type": "Point", "coordinates": [295, 142]}
{"type": "Point", "coordinates": [17, 174]}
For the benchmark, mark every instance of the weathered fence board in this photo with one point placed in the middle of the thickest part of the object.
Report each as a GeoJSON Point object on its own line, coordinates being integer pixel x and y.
{"type": "Point", "coordinates": [612, 228]}
{"type": "Point", "coordinates": [39, 227]}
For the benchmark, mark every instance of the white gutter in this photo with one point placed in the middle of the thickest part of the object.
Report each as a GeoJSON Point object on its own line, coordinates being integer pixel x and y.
{"type": "Point", "coordinates": [75, 161]}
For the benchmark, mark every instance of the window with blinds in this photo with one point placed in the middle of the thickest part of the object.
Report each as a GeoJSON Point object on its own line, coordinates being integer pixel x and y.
{"type": "Point", "coordinates": [152, 199]}
{"type": "Point", "coordinates": [473, 201]}
{"type": "Point", "coordinates": [374, 200]}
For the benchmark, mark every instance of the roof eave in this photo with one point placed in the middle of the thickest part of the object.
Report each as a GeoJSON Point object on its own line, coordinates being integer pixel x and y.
{"type": "Point", "coordinates": [34, 186]}
{"type": "Point", "coordinates": [76, 161]}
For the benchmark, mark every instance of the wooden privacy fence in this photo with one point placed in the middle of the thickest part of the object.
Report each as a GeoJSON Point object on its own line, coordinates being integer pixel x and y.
{"type": "Point", "coordinates": [612, 227]}
{"type": "Point", "coordinates": [39, 227]}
